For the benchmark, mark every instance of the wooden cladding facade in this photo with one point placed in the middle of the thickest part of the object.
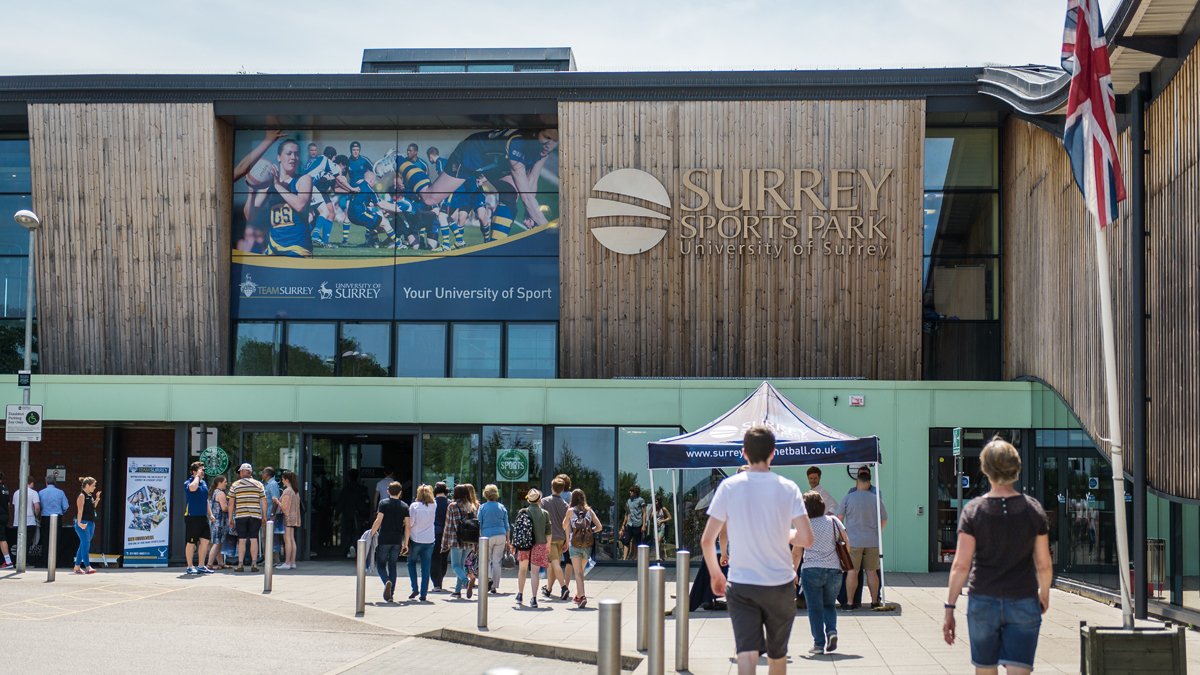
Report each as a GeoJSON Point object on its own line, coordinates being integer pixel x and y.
{"type": "Point", "coordinates": [664, 313]}
{"type": "Point", "coordinates": [133, 255]}
{"type": "Point", "coordinates": [1172, 286]}
{"type": "Point", "coordinates": [1051, 316]}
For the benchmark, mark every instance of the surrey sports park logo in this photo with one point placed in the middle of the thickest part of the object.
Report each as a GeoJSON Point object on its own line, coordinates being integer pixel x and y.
{"type": "Point", "coordinates": [640, 186]}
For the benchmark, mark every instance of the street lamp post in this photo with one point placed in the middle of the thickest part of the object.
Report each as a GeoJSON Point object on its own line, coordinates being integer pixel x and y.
{"type": "Point", "coordinates": [29, 221]}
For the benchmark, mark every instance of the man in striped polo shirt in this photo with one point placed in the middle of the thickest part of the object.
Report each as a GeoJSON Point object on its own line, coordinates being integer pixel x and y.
{"type": "Point", "coordinates": [246, 515]}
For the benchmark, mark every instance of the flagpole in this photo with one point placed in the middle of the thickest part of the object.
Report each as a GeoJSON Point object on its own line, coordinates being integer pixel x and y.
{"type": "Point", "coordinates": [1114, 423]}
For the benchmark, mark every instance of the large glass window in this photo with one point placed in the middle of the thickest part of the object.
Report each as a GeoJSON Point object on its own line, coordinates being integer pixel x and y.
{"type": "Point", "coordinates": [475, 350]}
{"type": "Point", "coordinates": [15, 189]}
{"type": "Point", "coordinates": [365, 349]}
{"type": "Point", "coordinates": [310, 349]}
{"type": "Point", "coordinates": [961, 268]}
{"type": "Point", "coordinates": [632, 460]}
{"type": "Point", "coordinates": [532, 350]}
{"type": "Point", "coordinates": [421, 350]}
{"type": "Point", "coordinates": [512, 459]}
{"type": "Point", "coordinates": [258, 348]}
{"type": "Point", "coordinates": [452, 458]}
{"type": "Point", "coordinates": [586, 454]}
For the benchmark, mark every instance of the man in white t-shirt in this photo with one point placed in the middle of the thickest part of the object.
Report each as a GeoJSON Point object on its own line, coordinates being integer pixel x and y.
{"type": "Point", "coordinates": [381, 489]}
{"type": "Point", "coordinates": [763, 513]}
{"type": "Point", "coordinates": [814, 484]}
{"type": "Point", "coordinates": [33, 511]}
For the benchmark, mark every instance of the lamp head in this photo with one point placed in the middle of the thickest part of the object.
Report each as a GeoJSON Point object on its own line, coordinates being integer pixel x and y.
{"type": "Point", "coordinates": [27, 219]}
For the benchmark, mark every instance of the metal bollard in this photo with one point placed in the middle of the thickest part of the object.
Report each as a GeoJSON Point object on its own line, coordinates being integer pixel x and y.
{"type": "Point", "coordinates": [643, 567]}
{"type": "Point", "coordinates": [269, 557]}
{"type": "Point", "coordinates": [608, 658]}
{"type": "Point", "coordinates": [483, 583]}
{"type": "Point", "coordinates": [656, 621]}
{"type": "Point", "coordinates": [360, 596]}
{"type": "Point", "coordinates": [683, 569]}
{"type": "Point", "coordinates": [502, 671]}
{"type": "Point", "coordinates": [52, 549]}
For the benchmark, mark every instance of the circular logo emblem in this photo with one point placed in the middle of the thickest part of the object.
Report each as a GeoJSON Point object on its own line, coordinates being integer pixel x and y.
{"type": "Point", "coordinates": [32, 418]}
{"type": "Point", "coordinates": [628, 226]}
{"type": "Point", "coordinates": [215, 460]}
{"type": "Point", "coordinates": [512, 465]}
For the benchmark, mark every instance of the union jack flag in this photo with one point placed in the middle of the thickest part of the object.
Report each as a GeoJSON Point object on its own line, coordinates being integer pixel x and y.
{"type": "Point", "coordinates": [1091, 127]}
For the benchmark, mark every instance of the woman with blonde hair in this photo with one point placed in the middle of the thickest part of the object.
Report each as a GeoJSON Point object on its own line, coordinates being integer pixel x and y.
{"type": "Point", "coordinates": [419, 529]}
{"type": "Point", "coordinates": [1004, 545]}
{"type": "Point", "coordinates": [537, 555]}
{"type": "Point", "coordinates": [85, 523]}
{"type": "Point", "coordinates": [493, 524]}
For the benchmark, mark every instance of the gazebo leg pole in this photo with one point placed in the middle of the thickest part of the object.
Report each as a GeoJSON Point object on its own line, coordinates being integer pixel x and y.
{"type": "Point", "coordinates": [654, 516]}
{"type": "Point", "coordinates": [675, 482]}
{"type": "Point", "coordinates": [879, 523]}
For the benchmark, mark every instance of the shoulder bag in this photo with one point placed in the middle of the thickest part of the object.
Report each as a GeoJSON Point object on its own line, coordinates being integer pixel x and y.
{"type": "Point", "coordinates": [841, 546]}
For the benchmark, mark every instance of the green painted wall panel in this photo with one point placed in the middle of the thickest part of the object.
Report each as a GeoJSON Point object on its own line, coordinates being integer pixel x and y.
{"type": "Point", "coordinates": [900, 413]}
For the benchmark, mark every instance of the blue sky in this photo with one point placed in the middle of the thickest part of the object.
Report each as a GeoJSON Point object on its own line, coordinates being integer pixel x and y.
{"type": "Point", "coordinates": [304, 36]}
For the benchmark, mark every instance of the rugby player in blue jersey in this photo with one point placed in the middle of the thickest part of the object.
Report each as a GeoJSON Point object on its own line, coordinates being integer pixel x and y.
{"type": "Point", "coordinates": [510, 159]}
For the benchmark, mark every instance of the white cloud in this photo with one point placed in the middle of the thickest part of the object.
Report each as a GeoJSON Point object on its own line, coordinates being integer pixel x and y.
{"type": "Point", "coordinates": [305, 36]}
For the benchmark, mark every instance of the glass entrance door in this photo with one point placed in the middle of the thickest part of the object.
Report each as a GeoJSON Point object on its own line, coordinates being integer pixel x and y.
{"type": "Point", "coordinates": [344, 472]}
{"type": "Point", "coordinates": [1076, 492]}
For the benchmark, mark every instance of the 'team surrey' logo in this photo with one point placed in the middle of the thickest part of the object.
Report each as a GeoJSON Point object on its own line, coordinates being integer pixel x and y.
{"type": "Point", "coordinates": [639, 185]}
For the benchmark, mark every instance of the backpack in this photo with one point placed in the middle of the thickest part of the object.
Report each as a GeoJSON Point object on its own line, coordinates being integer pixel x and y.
{"type": "Point", "coordinates": [467, 531]}
{"type": "Point", "coordinates": [582, 535]}
{"type": "Point", "coordinates": [522, 533]}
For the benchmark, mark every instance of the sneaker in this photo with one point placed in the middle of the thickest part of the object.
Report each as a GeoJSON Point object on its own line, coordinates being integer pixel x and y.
{"type": "Point", "coordinates": [566, 593]}
{"type": "Point", "coordinates": [204, 570]}
{"type": "Point", "coordinates": [5, 565]}
{"type": "Point", "coordinates": [582, 602]}
{"type": "Point", "coordinates": [470, 588]}
{"type": "Point", "coordinates": [423, 599]}
{"type": "Point", "coordinates": [520, 598]}
{"type": "Point", "coordinates": [816, 650]}
{"type": "Point", "coordinates": [830, 643]}
{"type": "Point", "coordinates": [413, 595]}
{"type": "Point", "coordinates": [387, 591]}
{"type": "Point", "coordinates": [456, 595]}
{"type": "Point", "coordinates": [533, 602]}
{"type": "Point", "coordinates": [546, 592]}
{"type": "Point", "coordinates": [192, 570]}
{"type": "Point", "coordinates": [876, 605]}
{"type": "Point", "coordinates": [90, 570]}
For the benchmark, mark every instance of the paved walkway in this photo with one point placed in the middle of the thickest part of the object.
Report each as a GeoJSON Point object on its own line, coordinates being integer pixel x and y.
{"type": "Point", "coordinates": [904, 641]}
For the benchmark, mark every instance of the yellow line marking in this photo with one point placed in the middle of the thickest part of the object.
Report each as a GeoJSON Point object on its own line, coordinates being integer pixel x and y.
{"type": "Point", "coordinates": [330, 262]}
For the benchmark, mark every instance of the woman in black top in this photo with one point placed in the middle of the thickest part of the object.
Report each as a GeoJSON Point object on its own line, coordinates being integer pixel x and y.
{"type": "Point", "coordinates": [85, 524]}
{"type": "Point", "coordinates": [1006, 535]}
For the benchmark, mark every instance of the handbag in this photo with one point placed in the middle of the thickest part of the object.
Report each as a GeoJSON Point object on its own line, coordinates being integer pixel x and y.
{"type": "Point", "coordinates": [842, 547]}
{"type": "Point", "coordinates": [508, 560]}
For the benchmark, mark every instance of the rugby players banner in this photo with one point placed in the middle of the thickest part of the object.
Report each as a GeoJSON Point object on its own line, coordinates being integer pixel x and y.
{"type": "Point", "coordinates": [147, 511]}
{"type": "Point", "coordinates": [396, 225]}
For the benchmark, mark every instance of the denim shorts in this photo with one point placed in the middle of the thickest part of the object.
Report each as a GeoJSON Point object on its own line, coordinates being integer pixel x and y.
{"type": "Point", "coordinates": [1003, 631]}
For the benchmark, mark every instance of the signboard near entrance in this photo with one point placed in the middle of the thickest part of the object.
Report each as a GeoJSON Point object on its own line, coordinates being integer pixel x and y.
{"type": "Point", "coordinates": [958, 433]}
{"type": "Point", "coordinates": [512, 465]}
{"type": "Point", "coordinates": [147, 511]}
{"type": "Point", "coordinates": [23, 423]}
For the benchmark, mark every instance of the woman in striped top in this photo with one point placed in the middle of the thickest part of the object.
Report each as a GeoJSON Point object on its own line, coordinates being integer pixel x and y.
{"type": "Point", "coordinates": [821, 574]}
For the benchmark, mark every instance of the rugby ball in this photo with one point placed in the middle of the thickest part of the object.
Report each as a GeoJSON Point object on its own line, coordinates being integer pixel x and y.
{"type": "Point", "coordinates": [260, 176]}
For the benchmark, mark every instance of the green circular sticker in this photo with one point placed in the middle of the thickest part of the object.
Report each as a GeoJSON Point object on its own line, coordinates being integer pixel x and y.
{"type": "Point", "coordinates": [512, 465]}
{"type": "Point", "coordinates": [215, 460]}
{"type": "Point", "coordinates": [32, 418]}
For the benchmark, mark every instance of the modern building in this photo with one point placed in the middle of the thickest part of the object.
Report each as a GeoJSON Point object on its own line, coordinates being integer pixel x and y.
{"type": "Point", "coordinates": [280, 267]}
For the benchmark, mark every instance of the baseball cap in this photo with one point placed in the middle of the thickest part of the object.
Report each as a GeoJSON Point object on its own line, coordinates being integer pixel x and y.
{"type": "Point", "coordinates": [355, 144]}
{"type": "Point", "coordinates": [245, 467]}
